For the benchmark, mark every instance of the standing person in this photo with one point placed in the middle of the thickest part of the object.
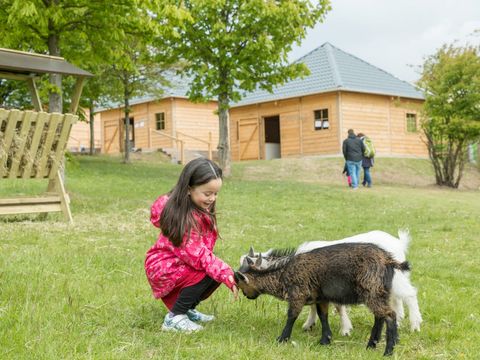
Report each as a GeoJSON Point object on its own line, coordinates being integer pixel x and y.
{"type": "Point", "coordinates": [353, 149]}
{"type": "Point", "coordinates": [367, 161]}
{"type": "Point", "coordinates": [181, 267]}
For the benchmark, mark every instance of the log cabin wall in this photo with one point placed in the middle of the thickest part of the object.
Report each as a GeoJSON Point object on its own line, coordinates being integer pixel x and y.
{"type": "Point", "coordinates": [382, 118]}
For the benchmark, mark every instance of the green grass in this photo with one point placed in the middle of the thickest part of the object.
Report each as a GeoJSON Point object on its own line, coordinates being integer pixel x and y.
{"type": "Point", "coordinates": [80, 292]}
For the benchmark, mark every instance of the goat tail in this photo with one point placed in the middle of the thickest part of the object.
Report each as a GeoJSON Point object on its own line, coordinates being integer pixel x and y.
{"type": "Point", "coordinates": [404, 237]}
{"type": "Point", "coordinates": [404, 266]}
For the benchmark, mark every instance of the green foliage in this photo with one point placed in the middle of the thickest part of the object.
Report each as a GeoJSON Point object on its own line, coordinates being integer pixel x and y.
{"type": "Point", "coordinates": [80, 292]}
{"type": "Point", "coordinates": [232, 47]}
{"type": "Point", "coordinates": [14, 94]}
{"type": "Point", "coordinates": [83, 32]}
{"type": "Point", "coordinates": [451, 80]}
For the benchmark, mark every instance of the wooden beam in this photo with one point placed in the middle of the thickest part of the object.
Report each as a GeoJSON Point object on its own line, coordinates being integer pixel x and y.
{"type": "Point", "coordinates": [13, 76]}
{"type": "Point", "coordinates": [77, 92]}
{"type": "Point", "coordinates": [31, 200]}
{"type": "Point", "coordinates": [37, 103]}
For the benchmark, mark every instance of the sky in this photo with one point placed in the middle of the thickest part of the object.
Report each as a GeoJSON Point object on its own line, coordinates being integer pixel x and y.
{"type": "Point", "coordinates": [394, 35]}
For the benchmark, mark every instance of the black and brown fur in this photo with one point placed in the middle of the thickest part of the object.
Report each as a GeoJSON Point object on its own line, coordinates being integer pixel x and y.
{"type": "Point", "coordinates": [343, 273]}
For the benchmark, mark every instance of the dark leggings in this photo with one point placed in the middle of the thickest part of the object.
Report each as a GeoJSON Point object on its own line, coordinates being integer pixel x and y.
{"type": "Point", "coordinates": [191, 296]}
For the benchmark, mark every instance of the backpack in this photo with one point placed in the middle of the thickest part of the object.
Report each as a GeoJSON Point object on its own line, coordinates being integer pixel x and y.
{"type": "Point", "coordinates": [369, 148]}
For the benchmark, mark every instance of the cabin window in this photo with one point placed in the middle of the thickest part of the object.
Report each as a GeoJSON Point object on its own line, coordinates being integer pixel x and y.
{"type": "Point", "coordinates": [320, 120]}
{"type": "Point", "coordinates": [411, 122]}
{"type": "Point", "coordinates": [160, 121]}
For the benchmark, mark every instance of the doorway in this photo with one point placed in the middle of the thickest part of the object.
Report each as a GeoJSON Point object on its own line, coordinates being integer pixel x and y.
{"type": "Point", "coordinates": [272, 137]}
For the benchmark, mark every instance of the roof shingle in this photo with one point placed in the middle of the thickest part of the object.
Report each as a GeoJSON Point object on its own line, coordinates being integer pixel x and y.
{"type": "Point", "coordinates": [332, 69]}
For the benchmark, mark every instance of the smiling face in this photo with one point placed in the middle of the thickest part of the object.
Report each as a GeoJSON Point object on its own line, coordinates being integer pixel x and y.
{"type": "Point", "coordinates": [205, 195]}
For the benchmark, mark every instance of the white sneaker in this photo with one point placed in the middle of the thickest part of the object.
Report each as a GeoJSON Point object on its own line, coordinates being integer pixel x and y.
{"type": "Point", "coordinates": [180, 323]}
{"type": "Point", "coordinates": [195, 315]}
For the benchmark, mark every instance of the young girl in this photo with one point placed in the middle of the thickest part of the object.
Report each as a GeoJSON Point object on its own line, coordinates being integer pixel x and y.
{"type": "Point", "coordinates": [181, 267]}
{"type": "Point", "coordinates": [349, 178]}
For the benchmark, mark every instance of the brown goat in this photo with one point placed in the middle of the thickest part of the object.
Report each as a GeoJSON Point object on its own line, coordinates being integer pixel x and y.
{"type": "Point", "coordinates": [350, 273]}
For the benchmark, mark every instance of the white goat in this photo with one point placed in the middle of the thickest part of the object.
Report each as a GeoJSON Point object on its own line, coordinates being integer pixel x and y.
{"type": "Point", "coordinates": [402, 289]}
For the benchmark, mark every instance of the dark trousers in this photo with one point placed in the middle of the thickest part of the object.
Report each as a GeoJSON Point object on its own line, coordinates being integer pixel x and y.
{"type": "Point", "coordinates": [191, 296]}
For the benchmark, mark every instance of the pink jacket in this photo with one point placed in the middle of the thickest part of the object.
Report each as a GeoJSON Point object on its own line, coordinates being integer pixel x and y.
{"type": "Point", "coordinates": [168, 267]}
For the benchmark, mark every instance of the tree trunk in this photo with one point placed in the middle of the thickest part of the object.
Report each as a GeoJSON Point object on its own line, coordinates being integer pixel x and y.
{"type": "Point", "coordinates": [223, 141]}
{"type": "Point", "coordinates": [92, 130]}
{"type": "Point", "coordinates": [55, 101]}
{"type": "Point", "coordinates": [127, 122]}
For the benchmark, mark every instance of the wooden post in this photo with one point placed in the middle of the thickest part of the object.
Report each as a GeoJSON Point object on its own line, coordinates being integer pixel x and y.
{"type": "Point", "coordinates": [34, 92]}
{"type": "Point", "coordinates": [182, 153]}
{"type": "Point", "coordinates": [76, 95]}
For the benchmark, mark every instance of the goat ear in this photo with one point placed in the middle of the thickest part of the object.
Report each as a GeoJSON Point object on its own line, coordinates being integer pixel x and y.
{"type": "Point", "coordinates": [248, 261]}
{"type": "Point", "coordinates": [240, 277]}
{"type": "Point", "coordinates": [258, 263]}
{"type": "Point", "coordinates": [251, 253]}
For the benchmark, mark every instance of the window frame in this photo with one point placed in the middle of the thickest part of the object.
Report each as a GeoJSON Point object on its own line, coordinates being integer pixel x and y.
{"type": "Point", "coordinates": [408, 122]}
{"type": "Point", "coordinates": [322, 119]}
{"type": "Point", "coordinates": [162, 121]}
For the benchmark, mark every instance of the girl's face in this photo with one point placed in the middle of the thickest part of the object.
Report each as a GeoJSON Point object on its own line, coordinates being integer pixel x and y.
{"type": "Point", "coordinates": [205, 195]}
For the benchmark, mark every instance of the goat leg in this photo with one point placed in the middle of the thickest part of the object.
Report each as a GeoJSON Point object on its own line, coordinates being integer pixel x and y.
{"type": "Point", "coordinates": [376, 332]}
{"type": "Point", "coordinates": [294, 309]}
{"type": "Point", "coordinates": [312, 317]}
{"type": "Point", "coordinates": [392, 334]}
{"type": "Point", "coordinates": [322, 310]}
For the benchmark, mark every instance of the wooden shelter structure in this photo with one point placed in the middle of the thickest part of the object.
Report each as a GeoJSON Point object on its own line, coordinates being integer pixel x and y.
{"type": "Point", "coordinates": [32, 143]}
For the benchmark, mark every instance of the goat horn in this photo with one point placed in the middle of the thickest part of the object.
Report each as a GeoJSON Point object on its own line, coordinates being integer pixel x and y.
{"type": "Point", "coordinates": [258, 263]}
{"type": "Point", "coordinates": [251, 253]}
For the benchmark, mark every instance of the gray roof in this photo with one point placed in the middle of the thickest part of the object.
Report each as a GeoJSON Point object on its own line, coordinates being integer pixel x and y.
{"type": "Point", "coordinates": [25, 63]}
{"type": "Point", "coordinates": [178, 87]}
{"type": "Point", "coordinates": [332, 69]}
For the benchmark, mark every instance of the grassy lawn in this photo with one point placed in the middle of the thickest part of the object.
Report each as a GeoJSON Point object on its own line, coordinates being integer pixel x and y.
{"type": "Point", "coordinates": [80, 292]}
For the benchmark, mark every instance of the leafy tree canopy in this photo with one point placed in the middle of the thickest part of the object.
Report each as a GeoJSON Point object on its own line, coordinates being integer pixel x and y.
{"type": "Point", "coordinates": [451, 81]}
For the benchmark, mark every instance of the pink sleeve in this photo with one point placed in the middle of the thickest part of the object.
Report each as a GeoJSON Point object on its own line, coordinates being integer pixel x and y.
{"type": "Point", "coordinates": [194, 253]}
{"type": "Point", "coordinates": [156, 210]}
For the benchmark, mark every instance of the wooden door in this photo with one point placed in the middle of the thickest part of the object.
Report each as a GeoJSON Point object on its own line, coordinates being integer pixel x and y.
{"type": "Point", "coordinates": [248, 136]}
{"type": "Point", "coordinates": [111, 131]}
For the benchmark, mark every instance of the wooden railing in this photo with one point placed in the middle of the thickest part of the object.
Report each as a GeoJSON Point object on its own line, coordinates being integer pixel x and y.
{"type": "Point", "coordinates": [79, 143]}
{"type": "Point", "coordinates": [177, 141]}
{"type": "Point", "coordinates": [209, 142]}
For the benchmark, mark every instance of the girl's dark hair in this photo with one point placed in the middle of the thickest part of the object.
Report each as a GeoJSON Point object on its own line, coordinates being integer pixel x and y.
{"type": "Point", "coordinates": [177, 217]}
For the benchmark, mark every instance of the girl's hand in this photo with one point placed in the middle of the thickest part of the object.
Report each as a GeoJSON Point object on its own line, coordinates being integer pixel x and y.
{"type": "Point", "coordinates": [235, 292]}
{"type": "Point", "coordinates": [234, 288]}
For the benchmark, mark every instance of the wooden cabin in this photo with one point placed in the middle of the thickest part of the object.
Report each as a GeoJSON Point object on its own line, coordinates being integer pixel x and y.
{"type": "Point", "coordinates": [311, 116]}
{"type": "Point", "coordinates": [306, 116]}
{"type": "Point", "coordinates": [160, 123]}
{"type": "Point", "coordinates": [79, 140]}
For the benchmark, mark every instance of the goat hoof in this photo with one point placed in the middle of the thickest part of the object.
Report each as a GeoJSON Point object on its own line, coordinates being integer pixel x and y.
{"type": "Point", "coordinates": [282, 339]}
{"type": "Point", "coordinates": [371, 345]}
{"type": "Point", "coordinates": [325, 341]}
{"type": "Point", "coordinates": [388, 353]}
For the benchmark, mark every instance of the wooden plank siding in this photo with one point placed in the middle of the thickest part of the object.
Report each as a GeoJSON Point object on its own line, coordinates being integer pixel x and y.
{"type": "Point", "coordinates": [180, 115]}
{"type": "Point", "coordinates": [297, 131]}
{"type": "Point", "coordinates": [196, 119]}
{"type": "Point", "coordinates": [80, 134]}
{"type": "Point", "coordinates": [381, 117]}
